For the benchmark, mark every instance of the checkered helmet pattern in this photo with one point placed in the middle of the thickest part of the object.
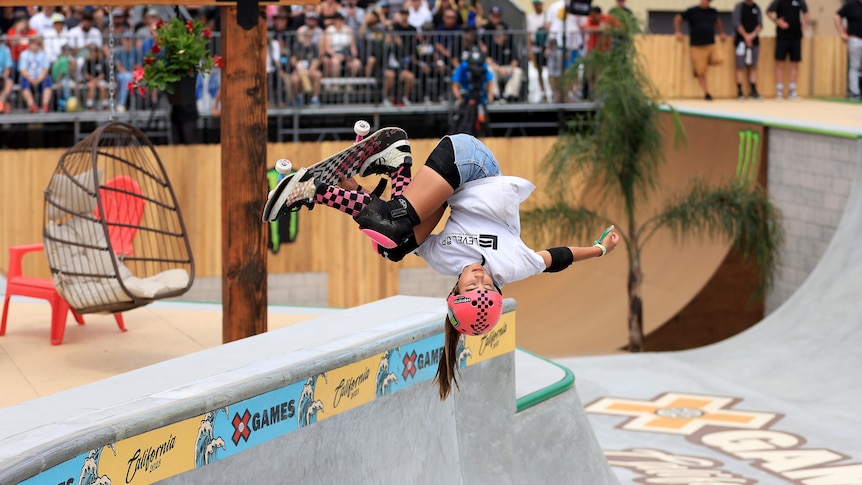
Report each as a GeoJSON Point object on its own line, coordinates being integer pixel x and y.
{"type": "Point", "coordinates": [475, 312]}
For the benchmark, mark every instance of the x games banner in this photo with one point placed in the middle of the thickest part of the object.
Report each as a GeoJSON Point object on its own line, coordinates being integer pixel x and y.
{"type": "Point", "coordinates": [200, 440]}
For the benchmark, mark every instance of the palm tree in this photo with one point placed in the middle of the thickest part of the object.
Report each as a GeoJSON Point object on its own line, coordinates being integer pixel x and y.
{"type": "Point", "coordinates": [620, 155]}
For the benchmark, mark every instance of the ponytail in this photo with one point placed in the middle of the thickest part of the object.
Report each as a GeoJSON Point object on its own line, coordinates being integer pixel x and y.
{"type": "Point", "coordinates": [448, 360]}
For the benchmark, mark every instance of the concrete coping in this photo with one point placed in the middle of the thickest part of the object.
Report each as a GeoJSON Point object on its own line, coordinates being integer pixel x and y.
{"type": "Point", "coordinates": [835, 130]}
{"type": "Point", "coordinates": [538, 379]}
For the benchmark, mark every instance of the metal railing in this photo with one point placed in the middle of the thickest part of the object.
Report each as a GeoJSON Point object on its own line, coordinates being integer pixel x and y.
{"type": "Point", "coordinates": [385, 68]}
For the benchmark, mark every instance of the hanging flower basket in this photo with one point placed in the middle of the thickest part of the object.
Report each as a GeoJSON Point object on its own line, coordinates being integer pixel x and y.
{"type": "Point", "coordinates": [183, 91]}
{"type": "Point", "coordinates": [180, 50]}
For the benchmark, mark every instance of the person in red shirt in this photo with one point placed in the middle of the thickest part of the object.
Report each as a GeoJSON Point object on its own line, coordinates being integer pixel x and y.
{"type": "Point", "coordinates": [597, 26]}
{"type": "Point", "coordinates": [18, 41]}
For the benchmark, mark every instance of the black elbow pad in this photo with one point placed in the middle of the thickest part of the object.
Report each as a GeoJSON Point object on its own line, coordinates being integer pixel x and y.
{"type": "Point", "coordinates": [561, 258]}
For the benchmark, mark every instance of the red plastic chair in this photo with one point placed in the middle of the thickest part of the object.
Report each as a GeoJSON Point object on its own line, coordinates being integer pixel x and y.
{"type": "Point", "coordinates": [124, 209]}
{"type": "Point", "coordinates": [18, 284]}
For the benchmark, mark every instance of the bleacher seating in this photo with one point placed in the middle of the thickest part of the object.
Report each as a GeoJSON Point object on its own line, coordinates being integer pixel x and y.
{"type": "Point", "coordinates": [291, 120]}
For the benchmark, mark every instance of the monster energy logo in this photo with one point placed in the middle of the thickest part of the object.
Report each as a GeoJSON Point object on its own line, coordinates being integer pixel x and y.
{"type": "Point", "coordinates": [746, 165]}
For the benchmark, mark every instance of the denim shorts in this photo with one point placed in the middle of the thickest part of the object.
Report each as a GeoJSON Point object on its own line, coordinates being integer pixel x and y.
{"type": "Point", "coordinates": [473, 159]}
{"type": "Point", "coordinates": [462, 158]}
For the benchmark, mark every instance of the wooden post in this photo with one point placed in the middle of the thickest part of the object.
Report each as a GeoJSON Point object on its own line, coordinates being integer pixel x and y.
{"type": "Point", "coordinates": [243, 162]}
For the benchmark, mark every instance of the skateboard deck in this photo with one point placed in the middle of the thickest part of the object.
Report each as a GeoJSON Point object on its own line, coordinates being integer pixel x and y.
{"type": "Point", "coordinates": [344, 164]}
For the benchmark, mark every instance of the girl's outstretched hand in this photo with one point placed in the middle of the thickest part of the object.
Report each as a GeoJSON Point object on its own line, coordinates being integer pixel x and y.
{"type": "Point", "coordinates": [611, 240]}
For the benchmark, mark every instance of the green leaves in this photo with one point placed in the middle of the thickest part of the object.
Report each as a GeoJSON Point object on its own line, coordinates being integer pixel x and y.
{"type": "Point", "coordinates": [742, 215]}
{"type": "Point", "coordinates": [560, 221]}
{"type": "Point", "coordinates": [181, 49]}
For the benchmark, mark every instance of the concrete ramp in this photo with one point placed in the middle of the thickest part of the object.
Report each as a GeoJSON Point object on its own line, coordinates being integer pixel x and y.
{"type": "Point", "coordinates": [344, 398]}
{"type": "Point", "coordinates": [775, 404]}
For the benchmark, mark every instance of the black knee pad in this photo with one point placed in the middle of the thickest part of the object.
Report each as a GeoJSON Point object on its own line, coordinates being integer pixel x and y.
{"type": "Point", "coordinates": [389, 224]}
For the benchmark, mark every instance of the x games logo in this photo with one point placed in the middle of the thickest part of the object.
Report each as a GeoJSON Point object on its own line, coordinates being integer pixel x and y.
{"type": "Point", "coordinates": [240, 427]}
{"type": "Point", "coordinates": [745, 435]}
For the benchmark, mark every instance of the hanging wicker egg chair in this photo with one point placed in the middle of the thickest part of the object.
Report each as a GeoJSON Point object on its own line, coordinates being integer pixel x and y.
{"type": "Point", "coordinates": [114, 235]}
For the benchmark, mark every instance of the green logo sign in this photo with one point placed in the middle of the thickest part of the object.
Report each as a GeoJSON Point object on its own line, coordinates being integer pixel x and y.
{"type": "Point", "coordinates": [746, 164]}
{"type": "Point", "coordinates": [284, 228]}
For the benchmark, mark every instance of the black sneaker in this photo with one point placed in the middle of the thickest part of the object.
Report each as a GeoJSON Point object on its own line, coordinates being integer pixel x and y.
{"type": "Point", "coordinates": [296, 193]}
{"type": "Point", "coordinates": [708, 97]}
{"type": "Point", "coordinates": [755, 95]}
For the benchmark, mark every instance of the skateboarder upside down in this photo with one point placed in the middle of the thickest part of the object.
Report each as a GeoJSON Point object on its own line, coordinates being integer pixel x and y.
{"type": "Point", "coordinates": [480, 244]}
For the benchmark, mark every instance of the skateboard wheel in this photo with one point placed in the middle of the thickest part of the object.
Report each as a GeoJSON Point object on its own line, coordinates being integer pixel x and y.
{"type": "Point", "coordinates": [361, 128]}
{"type": "Point", "coordinates": [283, 166]}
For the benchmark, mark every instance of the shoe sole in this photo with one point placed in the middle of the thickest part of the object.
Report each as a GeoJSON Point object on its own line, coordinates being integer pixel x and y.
{"type": "Point", "coordinates": [279, 195]}
{"type": "Point", "coordinates": [368, 168]}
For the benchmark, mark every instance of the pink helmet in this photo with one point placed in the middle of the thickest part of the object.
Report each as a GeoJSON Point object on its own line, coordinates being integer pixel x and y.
{"type": "Point", "coordinates": [475, 312]}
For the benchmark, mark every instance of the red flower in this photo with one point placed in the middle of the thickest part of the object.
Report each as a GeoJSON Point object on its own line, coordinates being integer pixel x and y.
{"type": "Point", "coordinates": [141, 91]}
{"type": "Point", "coordinates": [156, 49]}
{"type": "Point", "coordinates": [149, 61]}
{"type": "Point", "coordinates": [130, 86]}
{"type": "Point", "coordinates": [160, 23]}
{"type": "Point", "coordinates": [190, 26]}
{"type": "Point", "coordinates": [138, 73]}
{"type": "Point", "coordinates": [218, 61]}
{"type": "Point", "coordinates": [207, 33]}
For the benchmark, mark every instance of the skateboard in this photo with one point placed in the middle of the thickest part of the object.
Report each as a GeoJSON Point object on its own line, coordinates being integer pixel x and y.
{"type": "Point", "coordinates": [344, 164]}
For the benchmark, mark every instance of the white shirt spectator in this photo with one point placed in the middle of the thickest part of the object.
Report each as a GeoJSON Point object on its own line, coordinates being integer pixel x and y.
{"type": "Point", "coordinates": [272, 56]}
{"type": "Point", "coordinates": [41, 22]}
{"type": "Point", "coordinates": [54, 42]}
{"type": "Point", "coordinates": [536, 21]}
{"type": "Point", "coordinates": [418, 16]}
{"type": "Point", "coordinates": [79, 39]}
{"type": "Point", "coordinates": [571, 27]}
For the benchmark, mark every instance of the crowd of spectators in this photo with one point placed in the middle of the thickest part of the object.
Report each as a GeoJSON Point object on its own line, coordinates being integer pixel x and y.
{"type": "Point", "coordinates": [57, 58]}
{"type": "Point", "coordinates": [60, 58]}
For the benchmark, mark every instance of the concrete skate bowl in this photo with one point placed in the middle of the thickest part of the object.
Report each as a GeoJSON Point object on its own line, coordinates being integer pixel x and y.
{"type": "Point", "coordinates": [344, 398]}
{"type": "Point", "coordinates": [584, 309]}
{"type": "Point", "coordinates": [776, 404]}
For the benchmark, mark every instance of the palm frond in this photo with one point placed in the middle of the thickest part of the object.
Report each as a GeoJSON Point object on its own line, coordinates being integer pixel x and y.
{"type": "Point", "coordinates": [562, 223]}
{"type": "Point", "coordinates": [568, 159]}
{"type": "Point", "coordinates": [625, 148]}
{"type": "Point", "coordinates": [744, 216]}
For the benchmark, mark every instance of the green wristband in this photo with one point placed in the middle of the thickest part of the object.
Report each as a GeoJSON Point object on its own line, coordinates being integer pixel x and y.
{"type": "Point", "coordinates": [602, 237]}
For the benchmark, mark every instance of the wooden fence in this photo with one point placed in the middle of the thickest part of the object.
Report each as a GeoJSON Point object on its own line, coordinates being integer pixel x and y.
{"type": "Point", "coordinates": [327, 240]}
{"type": "Point", "coordinates": [822, 71]}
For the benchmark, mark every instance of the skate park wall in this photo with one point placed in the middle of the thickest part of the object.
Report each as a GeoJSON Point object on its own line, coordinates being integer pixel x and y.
{"type": "Point", "coordinates": [344, 398]}
{"type": "Point", "coordinates": [806, 176]}
{"type": "Point", "coordinates": [302, 267]}
{"type": "Point", "coordinates": [808, 171]}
